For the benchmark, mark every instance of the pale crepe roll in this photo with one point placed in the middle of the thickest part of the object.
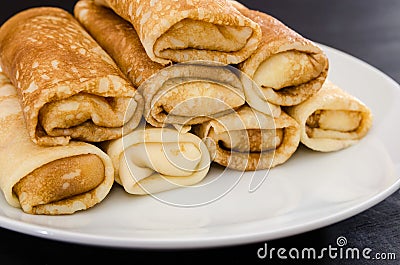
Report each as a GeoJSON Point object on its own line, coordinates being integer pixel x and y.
{"type": "Point", "coordinates": [192, 93]}
{"type": "Point", "coordinates": [188, 30]}
{"type": "Point", "coordinates": [152, 160]}
{"type": "Point", "coordinates": [119, 39]}
{"type": "Point", "coordinates": [69, 87]}
{"type": "Point", "coordinates": [332, 119]}
{"type": "Point", "coordinates": [47, 180]}
{"type": "Point", "coordinates": [250, 140]}
{"type": "Point", "coordinates": [288, 67]}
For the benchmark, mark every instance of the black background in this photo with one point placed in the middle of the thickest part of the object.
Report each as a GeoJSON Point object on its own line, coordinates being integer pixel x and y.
{"type": "Point", "coordinates": [367, 29]}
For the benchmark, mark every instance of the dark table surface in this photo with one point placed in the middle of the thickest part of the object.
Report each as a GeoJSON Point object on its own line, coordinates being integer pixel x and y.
{"type": "Point", "coordinates": [367, 29]}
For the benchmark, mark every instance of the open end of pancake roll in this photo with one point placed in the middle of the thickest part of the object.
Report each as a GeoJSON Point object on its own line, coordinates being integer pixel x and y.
{"type": "Point", "coordinates": [249, 140]}
{"type": "Point", "coordinates": [89, 117]}
{"type": "Point", "coordinates": [224, 38]}
{"type": "Point", "coordinates": [58, 181]}
{"type": "Point", "coordinates": [190, 30]}
{"type": "Point", "coordinates": [151, 160]}
{"type": "Point", "coordinates": [191, 93]}
{"type": "Point", "coordinates": [327, 123]}
{"type": "Point", "coordinates": [332, 119]}
{"type": "Point", "coordinates": [288, 67]}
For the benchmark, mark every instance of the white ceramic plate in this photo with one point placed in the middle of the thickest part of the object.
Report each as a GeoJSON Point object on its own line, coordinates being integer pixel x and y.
{"type": "Point", "coordinates": [309, 191]}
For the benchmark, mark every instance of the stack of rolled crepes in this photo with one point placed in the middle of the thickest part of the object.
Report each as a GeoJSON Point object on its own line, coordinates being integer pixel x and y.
{"type": "Point", "coordinates": [162, 88]}
{"type": "Point", "coordinates": [198, 93]}
{"type": "Point", "coordinates": [186, 94]}
{"type": "Point", "coordinates": [71, 89]}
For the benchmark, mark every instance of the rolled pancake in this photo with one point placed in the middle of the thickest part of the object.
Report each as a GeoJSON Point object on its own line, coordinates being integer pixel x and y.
{"type": "Point", "coordinates": [152, 160]}
{"type": "Point", "coordinates": [332, 119]}
{"type": "Point", "coordinates": [250, 140]}
{"type": "Point", "coordinates": [119, 39]}
{"type": "Point", "coordinates": [189, 30]}
{"type": "Point", "coordinates": [175, 95]}
{"type": "Point", "coordinates": [288, 67]}
{"type": "Point", "coordinates": [69, 87]}
{"type": "Point", "coordinates": [47, 180]}
{"type": "Point", "coordinates": [195, 92]}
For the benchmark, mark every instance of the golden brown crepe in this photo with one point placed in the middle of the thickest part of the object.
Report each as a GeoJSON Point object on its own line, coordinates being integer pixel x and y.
{"type": "Point", "coordinates": [188, 30]}
{"type": "Point", "coordinates": [69, 86]}
{"type": "Point", "coordinates": [119, 39]}
{"type": "Point", "coordinates": [47, 180]}
{"type": "Point", "coordinates": [250, 140]}
{"type": "Point", "coordinates": [192, 93]}
{"type": "Point", "coordinates": [332, 119]}
{"type": "Point", "coordinates": [288, 67]}
{"type": "Point", "coordinates": [152, 160]}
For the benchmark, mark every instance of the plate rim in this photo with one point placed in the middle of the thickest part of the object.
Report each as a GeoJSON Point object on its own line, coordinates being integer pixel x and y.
{"type": "Point", "coordinates": [62, 235]}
